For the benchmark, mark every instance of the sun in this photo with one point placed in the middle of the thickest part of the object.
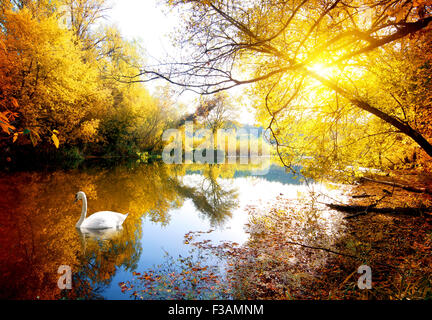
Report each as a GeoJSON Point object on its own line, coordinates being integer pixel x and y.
{"type": "Point", "coordinates": [322, 70]}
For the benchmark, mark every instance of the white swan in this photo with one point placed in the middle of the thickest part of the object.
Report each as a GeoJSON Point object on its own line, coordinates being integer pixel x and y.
{"type": "Point", "coordinates": [99, 220]}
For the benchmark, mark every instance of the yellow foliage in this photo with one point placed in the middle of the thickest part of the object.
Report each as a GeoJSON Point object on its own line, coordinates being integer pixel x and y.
{"type": "Point", "coordinates": [56, 88]}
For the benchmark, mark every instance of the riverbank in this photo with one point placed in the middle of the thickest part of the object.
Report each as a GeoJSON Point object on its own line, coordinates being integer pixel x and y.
{"type": "Point", "coordinates": [397, 246]}
{"type": "Point", "coordinates": [30, 159]}
{"type": "Point", "coordinates": [318, 256]}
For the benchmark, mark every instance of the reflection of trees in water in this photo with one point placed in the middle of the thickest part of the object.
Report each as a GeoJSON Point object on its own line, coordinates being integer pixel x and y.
{"type": "Point", "coordinates": [103, 252]}
{"type": "Point", "coordinates": [211, 198]}
{"type": "Point", "coordinates": [37, 224]}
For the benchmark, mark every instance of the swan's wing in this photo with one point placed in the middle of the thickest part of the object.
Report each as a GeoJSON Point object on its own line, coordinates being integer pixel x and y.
{"type": "Point", "coordinates": [96, 222]}
{"type": "Point", "coordinates": [103, 220]}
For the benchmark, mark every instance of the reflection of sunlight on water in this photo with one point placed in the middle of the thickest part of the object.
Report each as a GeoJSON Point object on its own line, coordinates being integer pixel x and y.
{"type": "Point", "coordinates": [263, 195]}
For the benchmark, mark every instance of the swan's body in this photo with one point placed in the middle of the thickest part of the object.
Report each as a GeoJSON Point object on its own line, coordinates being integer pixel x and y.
{"type": "Point", "coordinates": [99, 220]}
{"type": "Point", "coordinates": [100, 234]}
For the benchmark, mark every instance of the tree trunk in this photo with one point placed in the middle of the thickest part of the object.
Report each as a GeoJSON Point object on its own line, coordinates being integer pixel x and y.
{"type": "Point", "coordinates": [364, 209]}
{"type": "Point", "coordinates": [403, 127]}
{"type": "Point", "coordinates": [398, 185]}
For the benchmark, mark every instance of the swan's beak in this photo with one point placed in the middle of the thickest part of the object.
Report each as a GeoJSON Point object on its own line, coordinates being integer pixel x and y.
{"type": "Point", "coordinates": [75, 201]}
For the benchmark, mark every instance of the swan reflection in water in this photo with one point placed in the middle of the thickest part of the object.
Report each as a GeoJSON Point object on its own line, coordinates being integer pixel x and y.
{"type": "Point", "coordinates": [101, 234]}
{"type": "Point", "coordinates": [104, 237]}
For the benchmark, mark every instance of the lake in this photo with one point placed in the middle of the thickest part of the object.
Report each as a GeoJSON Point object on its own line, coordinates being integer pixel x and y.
{"type": "Point", "coordinates": [164, 202]}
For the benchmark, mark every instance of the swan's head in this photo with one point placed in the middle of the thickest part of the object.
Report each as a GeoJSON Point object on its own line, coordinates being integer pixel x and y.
{"type": "Point", "coordinates": [79, 196]}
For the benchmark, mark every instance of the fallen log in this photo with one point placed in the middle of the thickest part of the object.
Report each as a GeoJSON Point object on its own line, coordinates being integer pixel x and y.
{"type": "Point", "coordinates": [398, 185]}
{"type": "Point", "coordinates": [361, 196]}
{"type": "Point", "coordinates": [416, 212]}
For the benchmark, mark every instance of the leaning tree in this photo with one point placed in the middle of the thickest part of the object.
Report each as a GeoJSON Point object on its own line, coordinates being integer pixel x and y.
{"type": "Point", "coordinates": [313, 66]}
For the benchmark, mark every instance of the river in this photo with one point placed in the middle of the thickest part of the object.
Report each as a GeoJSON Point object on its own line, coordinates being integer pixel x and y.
{"type": "Point", "coordinates": [164, 202]}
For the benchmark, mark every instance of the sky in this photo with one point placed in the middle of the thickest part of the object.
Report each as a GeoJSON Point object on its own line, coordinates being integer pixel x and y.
{"type": "Point", "coordinates": [145, 20]}
{"type": "Point", "coordinates": [149, 22]}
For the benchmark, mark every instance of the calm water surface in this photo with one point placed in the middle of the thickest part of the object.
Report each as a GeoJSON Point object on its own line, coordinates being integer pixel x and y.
{"type": "Point", "coordinates": [38, 216]}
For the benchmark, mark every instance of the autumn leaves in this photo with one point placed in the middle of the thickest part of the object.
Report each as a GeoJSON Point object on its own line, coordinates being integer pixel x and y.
{"type": "Point", "coordinates": [58, 82]}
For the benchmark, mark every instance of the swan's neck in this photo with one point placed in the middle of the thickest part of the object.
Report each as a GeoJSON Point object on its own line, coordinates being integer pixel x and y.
{"type": "Point", "coordinates": [83, 212]}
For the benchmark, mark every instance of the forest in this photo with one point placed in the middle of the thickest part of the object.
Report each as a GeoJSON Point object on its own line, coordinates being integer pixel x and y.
{"type": "Point", "coordinates": [60, 88]}
{"type": "Point", "coordinates": [340, 90]}
{"type": "Point", "coordinates": [360, 98]}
